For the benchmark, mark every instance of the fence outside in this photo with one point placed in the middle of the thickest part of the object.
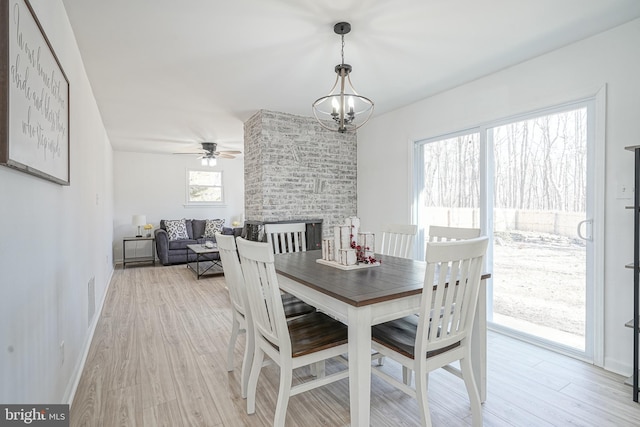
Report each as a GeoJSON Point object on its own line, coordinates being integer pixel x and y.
{"type": "Point", "coordinates": [559, 223]}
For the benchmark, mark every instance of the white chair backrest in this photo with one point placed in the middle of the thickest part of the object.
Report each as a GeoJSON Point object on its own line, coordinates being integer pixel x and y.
{"type": "Point", "coordinates": [453, 273]}
{"type": "Point", "coordinates": [439, 233]}
{"type": "Point", "coordinates": [286, 238]}
{"type": "Point", "coordinates": [263, 293]}
{"type": "Point", "coordinates": [232, 271]}
{"type": "Point", "coordinates": [398, 240]}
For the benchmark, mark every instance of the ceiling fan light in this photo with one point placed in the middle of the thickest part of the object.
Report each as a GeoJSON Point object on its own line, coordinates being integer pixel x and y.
{"type": "Point", "coordinates": [208, 161]}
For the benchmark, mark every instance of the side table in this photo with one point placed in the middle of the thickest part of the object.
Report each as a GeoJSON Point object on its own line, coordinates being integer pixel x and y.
{"type": "Point", "coordinates": [151, 258]}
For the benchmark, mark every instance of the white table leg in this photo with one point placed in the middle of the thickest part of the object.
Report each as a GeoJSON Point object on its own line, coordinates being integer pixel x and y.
{"type": "Point", "coordinates": [479, 343]}
{"type": "Point", "coordinates": [359, 364]}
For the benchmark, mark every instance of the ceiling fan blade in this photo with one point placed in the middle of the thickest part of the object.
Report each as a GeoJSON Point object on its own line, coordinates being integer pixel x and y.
{"type": "Point", "coordinates": [225, 156]}
{"type": "Point", "coordinates": [200, 152]}
{"type": "Point", "coordinates": [229, 152]}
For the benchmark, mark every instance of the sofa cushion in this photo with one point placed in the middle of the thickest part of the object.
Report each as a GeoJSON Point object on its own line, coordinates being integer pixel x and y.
{"type": "Point", "coordinates": [197, 228]}
{"type": "Point", "coordinates": [181, 244]}
{"type": "Point", "coordinates": [189, 225]}
{"type": "Point", "coordinates": [212, 227]}
{"type": "Point", "coordinates": [176, 229]}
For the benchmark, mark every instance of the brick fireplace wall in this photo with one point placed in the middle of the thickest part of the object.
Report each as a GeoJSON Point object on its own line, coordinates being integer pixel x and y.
{"type": "Point", "coordinates": [295, 169]}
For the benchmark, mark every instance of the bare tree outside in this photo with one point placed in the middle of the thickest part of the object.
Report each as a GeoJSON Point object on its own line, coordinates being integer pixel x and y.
{"type": "Point", "coordinates": [540, 164]}
{"type": "Point", "coordinates": [452, 176]}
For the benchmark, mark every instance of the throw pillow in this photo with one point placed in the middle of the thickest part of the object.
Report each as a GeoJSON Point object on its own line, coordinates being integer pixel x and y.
{"type": "Point", "coordinates": [176, 229]}
{"type": "Point", "coordinates": [212, 227]}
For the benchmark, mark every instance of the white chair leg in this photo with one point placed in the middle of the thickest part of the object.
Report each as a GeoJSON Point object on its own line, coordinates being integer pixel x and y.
{"type": "Point", "coordinates": [317, 369]}
{"type": "Point", "coordinates": [247, 360]}
{"type": "Point", "coordinates": [284, 393]}
{"type": "Point", "coordinates": [472, 390]}
{"type": "Point", "coordinates": [406, 375]}
{"type": "Point", "coordinates": [423, 399]}
{"type": "Point", "coordinates": [235, 328]}
{"type": "Point", "coordinates": [256, 367]}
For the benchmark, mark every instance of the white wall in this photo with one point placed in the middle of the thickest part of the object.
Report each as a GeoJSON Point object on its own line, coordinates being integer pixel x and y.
{"type": "Point", "coordinates": [54, 240]}
{"type": "Point", "coordinates": [155, 185]}
{"type": "Point", "coordinates": [575, 71]}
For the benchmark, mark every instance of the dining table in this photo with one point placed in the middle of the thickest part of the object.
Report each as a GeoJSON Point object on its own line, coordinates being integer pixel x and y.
{"type": "Point", "coordinates": [366, 296]}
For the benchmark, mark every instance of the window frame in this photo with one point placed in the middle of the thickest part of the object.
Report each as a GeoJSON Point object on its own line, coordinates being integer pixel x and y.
{"type": "Point", "coordinates": [191, 203]}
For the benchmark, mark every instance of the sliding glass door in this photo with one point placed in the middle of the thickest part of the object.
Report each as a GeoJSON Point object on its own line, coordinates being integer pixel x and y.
{"type": "Point", "coordinates": [541, 227]}
{"type": "Point", "coordinates": [528, 183]}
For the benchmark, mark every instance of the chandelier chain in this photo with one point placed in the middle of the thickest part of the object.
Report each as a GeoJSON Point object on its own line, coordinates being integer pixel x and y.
{"type": "Point", "coordinates": [342, 49]}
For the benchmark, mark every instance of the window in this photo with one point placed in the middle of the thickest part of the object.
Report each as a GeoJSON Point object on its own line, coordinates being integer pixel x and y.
{"type": "Point", "coordinates": [448, 183]}
{"type": "Point", "coordinates": [204, 187]}
{"type": "Point", "coordinates": [540, 191]}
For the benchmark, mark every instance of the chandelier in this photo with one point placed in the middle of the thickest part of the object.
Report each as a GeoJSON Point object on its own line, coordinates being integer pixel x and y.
{"type": "Point", "coordinates": [342, 109]}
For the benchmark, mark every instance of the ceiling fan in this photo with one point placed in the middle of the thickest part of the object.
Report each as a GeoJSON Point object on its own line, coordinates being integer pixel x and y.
{"type": "Point", "coordinates": [209, 151]}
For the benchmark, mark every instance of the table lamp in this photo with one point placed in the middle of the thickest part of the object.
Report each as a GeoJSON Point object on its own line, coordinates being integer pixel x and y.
{"type": "Point", "coordinates": [139, 220]}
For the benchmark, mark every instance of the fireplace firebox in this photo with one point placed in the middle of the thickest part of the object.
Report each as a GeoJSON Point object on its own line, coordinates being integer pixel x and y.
{"type": "Point", "coordinates": [254, 230]}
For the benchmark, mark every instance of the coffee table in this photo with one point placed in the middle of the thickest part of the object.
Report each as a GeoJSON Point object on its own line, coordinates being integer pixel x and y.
{"type": "Point", "coordinates": [204, 263]}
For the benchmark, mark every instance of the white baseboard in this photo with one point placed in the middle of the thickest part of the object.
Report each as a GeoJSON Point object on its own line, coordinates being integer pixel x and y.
{"type": "Point", "coordinates": [72, 386]}
{"type": "Point", "coordinates": [617, 367]}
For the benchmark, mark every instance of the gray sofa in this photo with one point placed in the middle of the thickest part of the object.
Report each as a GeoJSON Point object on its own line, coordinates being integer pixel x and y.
{"type": "Point", "coordinates": [175, 251]}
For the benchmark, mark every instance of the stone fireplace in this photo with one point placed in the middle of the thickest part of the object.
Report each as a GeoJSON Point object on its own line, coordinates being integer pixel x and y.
{"type": "Point", "coordinates": [294, 169]}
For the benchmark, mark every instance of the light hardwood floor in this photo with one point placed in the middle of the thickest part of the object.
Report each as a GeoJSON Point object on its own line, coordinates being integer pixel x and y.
{"type": "Point", "coordinates": [158, 358]}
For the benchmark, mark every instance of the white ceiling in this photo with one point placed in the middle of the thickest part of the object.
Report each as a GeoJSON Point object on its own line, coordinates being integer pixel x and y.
{"type": "Point", "coordinates": [168, 74]}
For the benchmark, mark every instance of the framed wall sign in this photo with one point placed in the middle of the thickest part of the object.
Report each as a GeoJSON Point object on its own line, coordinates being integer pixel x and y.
{"type": "Point", "coordinates": [34, 97]}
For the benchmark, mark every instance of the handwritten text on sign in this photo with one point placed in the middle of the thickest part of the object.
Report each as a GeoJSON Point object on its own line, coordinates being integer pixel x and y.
{"type": "Point", "coordinates": [38, 95]}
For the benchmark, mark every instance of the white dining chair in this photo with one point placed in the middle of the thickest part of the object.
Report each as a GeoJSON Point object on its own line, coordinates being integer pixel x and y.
{"type": "Point", "coordinates": [398, 240]}
{"type": "Point", "coordinates": [424, 343]}
{"type": "Point", "coordinates": [438, 233]}
{"type": "Point", "coordinates": [291, 344]}
{"type": "Point", "coordinates": [240, 314]}
{"type": "Point", "coordinates": [287, 238]}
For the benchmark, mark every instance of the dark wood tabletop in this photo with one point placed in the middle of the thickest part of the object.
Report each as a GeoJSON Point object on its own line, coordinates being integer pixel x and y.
{"type": "Point", "coordinates": [393, 278]}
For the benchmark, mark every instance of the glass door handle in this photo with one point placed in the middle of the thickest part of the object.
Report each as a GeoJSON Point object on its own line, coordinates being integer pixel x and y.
{"type": "Point", "coordinates": [589, 224]}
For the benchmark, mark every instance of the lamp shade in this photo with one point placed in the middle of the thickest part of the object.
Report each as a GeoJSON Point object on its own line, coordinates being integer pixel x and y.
{"type": "Point", "coordinates": [139, 220]}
